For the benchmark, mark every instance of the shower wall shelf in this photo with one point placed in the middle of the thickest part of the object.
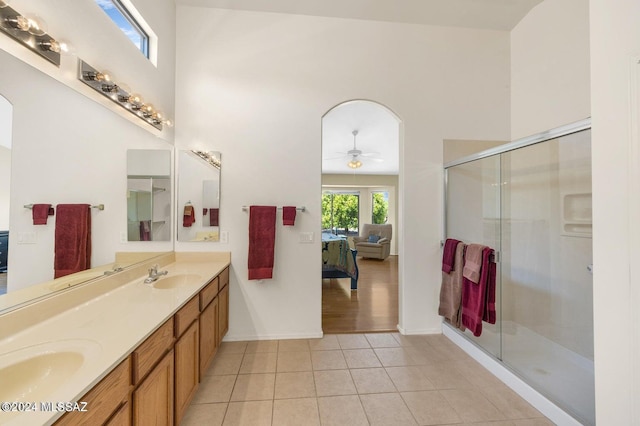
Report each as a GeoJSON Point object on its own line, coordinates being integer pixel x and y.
{"type": "Point", "coordinates": [577, 218]}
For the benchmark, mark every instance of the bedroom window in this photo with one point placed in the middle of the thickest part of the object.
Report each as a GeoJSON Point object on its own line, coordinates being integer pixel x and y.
{"type": "Point", "coordinates": [379, 207]}
{"type": "Point", "coordinates": [123, 17]}
{"type": "Point", "coordinates": [340, 212]}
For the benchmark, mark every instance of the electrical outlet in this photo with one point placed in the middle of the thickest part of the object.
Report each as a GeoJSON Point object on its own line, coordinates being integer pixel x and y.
{"type": "Point", "coordinates": [224, 237]}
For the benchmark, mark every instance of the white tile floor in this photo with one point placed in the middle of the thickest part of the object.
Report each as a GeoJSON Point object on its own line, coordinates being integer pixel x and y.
{"type": "Point", "coordinates": [354, 379]}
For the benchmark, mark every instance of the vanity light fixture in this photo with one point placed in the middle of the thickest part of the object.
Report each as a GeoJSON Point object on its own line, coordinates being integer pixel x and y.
{"type": "Point", "coordinates": [209, 157]}
{"type": "Point", "coordinates": [102, 82]}
{"type": "Point", "coordinates": [30, 31]}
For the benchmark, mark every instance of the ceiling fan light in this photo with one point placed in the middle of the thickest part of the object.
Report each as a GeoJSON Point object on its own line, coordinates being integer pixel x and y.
{"type": "Point", "coordinates": [354, 164]}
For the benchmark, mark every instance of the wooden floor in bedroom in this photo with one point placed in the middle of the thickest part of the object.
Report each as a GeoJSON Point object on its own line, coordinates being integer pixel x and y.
{"type": "Point", "coordinates": [371, 308]}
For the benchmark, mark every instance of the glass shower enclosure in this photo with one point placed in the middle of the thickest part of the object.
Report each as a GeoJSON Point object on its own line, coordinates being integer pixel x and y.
{"type": "Point", "coordinates": [530, 201]}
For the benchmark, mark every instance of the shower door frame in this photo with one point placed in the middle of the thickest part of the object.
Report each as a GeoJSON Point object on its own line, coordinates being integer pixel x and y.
{"type": "Point", "coordinates": [499, 368]}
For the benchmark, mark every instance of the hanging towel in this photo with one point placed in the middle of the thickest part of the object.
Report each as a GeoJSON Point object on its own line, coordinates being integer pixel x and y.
{"type": "Point", "coordinates": [40, 213]}
{"type": "Point", "coordinates": [451, 288]}
{"type": "Point", "coordinates": [72, 239]}
{"type": "Point", "coordinates": [490, 304]}
{"type": "Point", "coordinates": [189, 216]}
{"type": "Point", "coordinates": [262, 237]}
{"type": "Point", "coordinates": [145, 230]}
{"type": "Point", "coordinates": [472, 262]}
{"type": "Point", "coordinates": [448, 255]}
{"type": "Point", "coordinates": [213, 217]}
{"type": "Point", "coordinates": [474, 295]}
{"type": "Point", "coordinates": [289, 215]}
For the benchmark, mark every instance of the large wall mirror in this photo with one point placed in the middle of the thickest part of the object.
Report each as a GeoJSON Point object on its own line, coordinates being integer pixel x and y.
{"type": "Point", "coordinates": [198, 196]}
{"type": "Point", "coordinates": [65, 149]}
{"type": "Point", "coordinates": [148, 195]}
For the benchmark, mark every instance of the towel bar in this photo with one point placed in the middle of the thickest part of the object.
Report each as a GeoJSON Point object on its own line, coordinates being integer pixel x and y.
{"type": "Point", "coordinates": [300, 209]}
{"type": "Point", "coordinates": [98, 206]}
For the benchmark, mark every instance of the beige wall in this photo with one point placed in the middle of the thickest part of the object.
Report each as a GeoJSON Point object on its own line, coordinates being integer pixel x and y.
{"type": "Point", "coordinates": [550, 67]}
{"type": "Point", "coordinates": [455, 149]}
{"type": "Point", "coordinates": [257, 94]}
{"type": "Point", "coordinates": [615, 48]}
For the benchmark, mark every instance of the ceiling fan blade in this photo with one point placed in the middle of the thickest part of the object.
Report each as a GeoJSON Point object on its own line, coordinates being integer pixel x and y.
{"type": "Point", "coordinates": [369, 154]}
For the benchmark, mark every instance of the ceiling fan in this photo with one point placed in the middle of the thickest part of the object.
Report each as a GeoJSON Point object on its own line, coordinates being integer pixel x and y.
{"type": "Point", "coordinates": [355, 154]}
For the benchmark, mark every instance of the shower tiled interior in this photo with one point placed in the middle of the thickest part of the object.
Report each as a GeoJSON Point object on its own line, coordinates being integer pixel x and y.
{"type": "Point", "coordinates": [354, 379]}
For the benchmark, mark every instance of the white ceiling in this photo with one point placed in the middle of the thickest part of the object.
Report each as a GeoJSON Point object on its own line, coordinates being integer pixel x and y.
{"type": "Point", "coordinates": [485, 14]}
{"type": "Point", "coordinates": [378, 139]}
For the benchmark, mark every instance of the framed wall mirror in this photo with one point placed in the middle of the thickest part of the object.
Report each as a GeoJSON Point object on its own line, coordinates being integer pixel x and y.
{"type": "Point", "coordinates": [198, 195]}
{"type": "Point", "coordinates": [148, 195]}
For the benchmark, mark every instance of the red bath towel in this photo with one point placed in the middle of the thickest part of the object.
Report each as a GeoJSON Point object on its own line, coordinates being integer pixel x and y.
{"type": "Point", "coordinates": [213, 217]}
{"type": "Point", "coordinates": [188, 216]}
{"type": "Point", "coordinates": [288, 216]}
{"type": "Point", "coordinates": [474, 295]}
{"type": "Point", "coordinates": [72, 239]}
{"type": "Point", "coordinates": [262, 237]}
{"type": "Point", "coordinates": [40, 213]}
{"type": "Point", "coordinates": [449, 254]}
{"type": "Point", "coordinates": [490, 304]}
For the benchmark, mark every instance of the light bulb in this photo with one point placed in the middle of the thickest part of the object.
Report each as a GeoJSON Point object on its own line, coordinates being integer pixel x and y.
{"type": "Point", "coordinates": [37, 25]}
{"type": "Point", "coordinates": [148, 110]}
{"type": "Point", "coordinates": [18, 22]}
{"type": "Point", "coordinates": [51, 45]}
{"type": "Point", "coordinates": [168, 123]}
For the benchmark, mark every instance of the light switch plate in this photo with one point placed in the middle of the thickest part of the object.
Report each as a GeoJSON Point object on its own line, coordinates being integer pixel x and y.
{"type": "Point", "coordinates": [27, 238]}
{"type": "Point", "coordinates": [224, 237]}
{"type": "Point", "coordinates": [306, 237]}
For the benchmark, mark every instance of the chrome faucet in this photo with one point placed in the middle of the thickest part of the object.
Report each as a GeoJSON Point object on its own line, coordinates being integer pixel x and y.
{"type": "Point", "coordinates": [115, 269]}
{"type": "Point", "coordinates": [154, 274]}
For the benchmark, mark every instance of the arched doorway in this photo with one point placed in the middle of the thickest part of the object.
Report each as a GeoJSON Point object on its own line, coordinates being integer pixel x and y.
{"type": "Point", "coordinates": [360, 194]}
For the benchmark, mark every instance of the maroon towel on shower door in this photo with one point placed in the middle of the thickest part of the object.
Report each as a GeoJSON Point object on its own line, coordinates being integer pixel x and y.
{"type": "Point", "coordinates": [474, 296]}
{"type": "Point", "coordinates": [262, 237]}
{"type": "Point", "coordinates": [449, 254]}
{"type": "Point", "coordinates": [72, 239]}
{"type": "Point", "coordinates": [490, 304]}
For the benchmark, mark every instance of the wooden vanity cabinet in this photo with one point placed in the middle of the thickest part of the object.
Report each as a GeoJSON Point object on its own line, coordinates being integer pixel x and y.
{"type": "Point", "coordinates": [223, 315]}
{"type": "Point", "coordinates": [153, 399]}
{"type": "Point", "coordinates": [187, 356]}
{"type": "Point", "coordinates": [208, 325]}
{"type": "Point", "coordinates": [104, 400]}
{"type": "Point", "coordinates": [155, 385]}
{"type": "Point", "coordinates": [153, 376]}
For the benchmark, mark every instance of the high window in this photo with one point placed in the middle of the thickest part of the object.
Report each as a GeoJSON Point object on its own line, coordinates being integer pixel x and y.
{"type": "Point", "coordinates": [124, 19]}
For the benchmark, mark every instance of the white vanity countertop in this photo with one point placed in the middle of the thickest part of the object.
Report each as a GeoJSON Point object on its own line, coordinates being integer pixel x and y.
{"type": "Point", "coordinates": [111, 326]}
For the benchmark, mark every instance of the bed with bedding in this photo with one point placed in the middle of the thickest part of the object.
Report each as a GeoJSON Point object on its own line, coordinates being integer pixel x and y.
{"type": "Point", "coordinates": [338, 259]}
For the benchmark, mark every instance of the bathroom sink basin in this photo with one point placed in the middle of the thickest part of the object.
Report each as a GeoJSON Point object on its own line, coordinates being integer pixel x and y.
{"type": "Point", "coordinates": [38, 373]}
{"type": "Point", "coordinates": [173, 281]}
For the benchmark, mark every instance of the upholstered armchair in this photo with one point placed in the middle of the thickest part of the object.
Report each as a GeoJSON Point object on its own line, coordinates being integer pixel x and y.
{"type": "Point", "coordinates": [374, 241]}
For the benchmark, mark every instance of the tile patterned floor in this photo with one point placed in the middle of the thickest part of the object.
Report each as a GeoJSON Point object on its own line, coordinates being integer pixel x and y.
{"type": "Point", "coordinates": [354, 379]}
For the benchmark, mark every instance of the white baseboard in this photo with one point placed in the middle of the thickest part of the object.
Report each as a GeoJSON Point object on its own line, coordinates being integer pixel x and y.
{"type": "Point", "coordinates": [408, 332]}
{"type": "Point", "coordinates": [250, 337]}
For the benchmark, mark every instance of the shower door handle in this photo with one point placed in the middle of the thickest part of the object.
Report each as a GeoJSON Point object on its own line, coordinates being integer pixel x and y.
{"type": "Point", "coordinates": [590, 268]}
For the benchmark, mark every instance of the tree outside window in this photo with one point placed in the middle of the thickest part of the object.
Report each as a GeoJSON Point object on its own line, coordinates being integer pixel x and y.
{"type": "Point", "coordinates": [380, 207]}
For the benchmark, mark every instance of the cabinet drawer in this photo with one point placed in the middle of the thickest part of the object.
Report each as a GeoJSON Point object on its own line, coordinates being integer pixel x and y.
{"type": "Point", "coordinates": [104, 398]}
{"type": "Point", "coordinates": [208, 293]}
{"type": "Point", "coordinates": [186, 315]}
{"type": "Point", "coordinates": [149, 352]}
{"type": "Point", "coordinates": [224, 277]}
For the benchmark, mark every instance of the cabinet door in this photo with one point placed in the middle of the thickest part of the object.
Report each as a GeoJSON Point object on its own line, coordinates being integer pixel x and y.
{"type": "Point", "coordinates": [122, 417]}
{"type": "Point", "coordinates": [153, 400]}
{"type": "Point", "coordinates": [223, 312]}
{"type": "Point", "coordinates": [187, 369]}
{"type": "Point", "coordinates": [208, 335]}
